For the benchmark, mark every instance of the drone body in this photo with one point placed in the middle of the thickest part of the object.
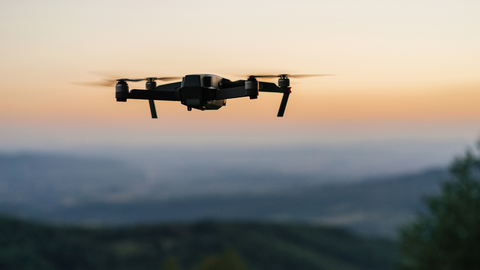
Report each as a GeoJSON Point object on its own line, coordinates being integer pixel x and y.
{"type": "Point", "coordinates": [204, 91]}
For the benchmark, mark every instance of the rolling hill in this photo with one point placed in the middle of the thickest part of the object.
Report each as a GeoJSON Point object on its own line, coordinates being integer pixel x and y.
{"type": "Point", "coordinates": [258, 246]}
{"type": "Point", "coordinates": [69, 190]}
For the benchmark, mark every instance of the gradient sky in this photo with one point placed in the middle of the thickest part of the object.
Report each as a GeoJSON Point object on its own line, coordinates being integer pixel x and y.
{"type": "Point", "coordinates": [408, 70]}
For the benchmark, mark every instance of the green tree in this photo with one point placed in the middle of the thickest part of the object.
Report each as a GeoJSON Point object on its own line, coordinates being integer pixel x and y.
{"type": "Point", "coordinates": [447, 236]}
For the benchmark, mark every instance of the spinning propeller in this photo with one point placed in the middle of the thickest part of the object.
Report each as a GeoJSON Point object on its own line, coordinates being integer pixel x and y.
{"type": "Point", "coordinates": [151, 84]}
{"type": "Point", "coordinates": [284, 84]}
{"type": "Point", "coordinates": [112, 82]}
{"type": "Point", "coordinates": [286, 76]}
{"type": "Point", "coordinates": [201, 91]}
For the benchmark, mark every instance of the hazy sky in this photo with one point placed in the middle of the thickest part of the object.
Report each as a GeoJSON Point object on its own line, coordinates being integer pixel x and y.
{"type": "Point", "coordinates": [404, 69]}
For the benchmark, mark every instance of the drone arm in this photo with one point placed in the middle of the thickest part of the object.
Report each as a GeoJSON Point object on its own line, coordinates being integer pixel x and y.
{"type": "Point", "coordinates": [273, 88]}
{"type": "Point", "coordinates": [152, 95]}
{"type": "Point", "coordinates": [269, 87]}
{"type": "Point", "coordinates": [161, 92]}
{"type": "Point", "coordinates": [168, 86]}
{"type": "Point", "coordinates": [233, 92]}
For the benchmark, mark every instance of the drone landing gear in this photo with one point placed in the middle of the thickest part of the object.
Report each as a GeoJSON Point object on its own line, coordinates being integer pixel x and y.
{"type": "Point", "coordinates": [283, 105]}
{"type": "Point", "coordinates": [150, 85]}
{"type": "Point", "coordinates": [152, 108]}
{"type": "Point", "coordinates": [189, 108]}
{"type": "Point", "coordinates": [284, 84]}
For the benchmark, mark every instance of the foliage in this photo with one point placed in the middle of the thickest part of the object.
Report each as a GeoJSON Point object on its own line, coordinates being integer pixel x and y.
{"type": "Point", "coordinates": [170, 264]}
{"type": "Point", "coordinates": [448, 235]}
{"type": "Point", "coordinates": [198, 246]}
{"type": "Point", "coordinates": [229, 259]}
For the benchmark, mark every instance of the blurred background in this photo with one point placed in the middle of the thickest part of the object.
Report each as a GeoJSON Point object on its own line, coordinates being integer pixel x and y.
{"type": "Point", "coordinates": [355, 150]}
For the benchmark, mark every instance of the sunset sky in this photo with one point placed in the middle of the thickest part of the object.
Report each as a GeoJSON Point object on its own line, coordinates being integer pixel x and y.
{"type": "Point", "coordinates": [404, 70]}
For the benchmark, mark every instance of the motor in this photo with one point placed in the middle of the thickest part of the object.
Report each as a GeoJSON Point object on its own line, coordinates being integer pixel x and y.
{"type": "Point", "coordinates": [121, 91]}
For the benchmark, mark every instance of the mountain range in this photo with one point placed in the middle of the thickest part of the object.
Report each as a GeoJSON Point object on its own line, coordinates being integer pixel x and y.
{"type": "Point", "coordinates": [73, 190]}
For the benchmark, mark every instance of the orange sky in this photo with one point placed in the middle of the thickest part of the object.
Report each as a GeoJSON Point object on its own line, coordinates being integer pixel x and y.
{"type": "Point", "coordinates": [395, 62]}
{"type": "Point", "coordinates": [306, 104]}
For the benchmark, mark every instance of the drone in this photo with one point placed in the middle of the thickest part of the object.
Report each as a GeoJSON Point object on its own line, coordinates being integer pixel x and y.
{"type": "Point", "coordinates": [204, 91]}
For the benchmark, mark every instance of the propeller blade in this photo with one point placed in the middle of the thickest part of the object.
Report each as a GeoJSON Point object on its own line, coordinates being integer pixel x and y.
{"type": "Point", "coordinates": [169, 78]}
{"type": "Point", "coordinates": [152, 108]}
{"type": "Point", "coordinates": [283, 105]}
{"type": "Point", "coordinates": [131, 80]}
{"type": "Point", "coordinates": [291, 75]}
{"type": "Point", "coordinates": [307, 75]}
{"type": "Point", "coordinates": [106, 83]}
{"type": "Point", "coordinates": [112, 82]}
{"type": "Point", "coordinates": [265, 76]}
{"type": "Point", "coordinates": [166, 78]}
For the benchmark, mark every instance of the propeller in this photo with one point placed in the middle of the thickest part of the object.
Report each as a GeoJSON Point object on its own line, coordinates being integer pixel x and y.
{"type": "Point", "coordinates": [291, 75]}
{"type": "Point", "coordinates": [283, 84]}
{"type": "Point", "coordinates": [150, 78]}
{"type": "Point", "coordinates": [112, 82]}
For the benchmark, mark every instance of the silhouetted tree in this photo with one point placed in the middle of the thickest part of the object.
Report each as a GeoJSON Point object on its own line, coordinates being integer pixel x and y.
{"type": "Point", "coordinates": [447, 236]}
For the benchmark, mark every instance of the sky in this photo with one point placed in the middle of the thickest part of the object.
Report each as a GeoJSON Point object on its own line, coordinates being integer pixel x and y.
{"type": "Point", "coordinates": [406, 74]}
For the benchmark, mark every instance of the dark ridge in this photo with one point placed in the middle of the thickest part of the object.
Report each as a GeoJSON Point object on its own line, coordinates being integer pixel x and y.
{"type": "Point", "coordinates": [27, 245]}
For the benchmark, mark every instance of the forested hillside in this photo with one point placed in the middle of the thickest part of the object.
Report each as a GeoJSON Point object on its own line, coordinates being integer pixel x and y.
{"type": "Point", "coordinates": [254, 246]}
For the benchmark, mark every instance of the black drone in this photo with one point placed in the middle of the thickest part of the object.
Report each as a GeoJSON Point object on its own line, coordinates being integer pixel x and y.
{"type": "Point", "coordinates": [204, 91]}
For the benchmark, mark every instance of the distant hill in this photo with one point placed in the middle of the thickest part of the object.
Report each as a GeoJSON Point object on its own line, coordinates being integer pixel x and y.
{"type": "Point", "coordinates": [46, 181]}
{"type": "Point", "coordinates": [373, 208]}
{"type": "Point", "coordinates": [260, 245]}
{"type": "Point", "coordinates": [95, 191]}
